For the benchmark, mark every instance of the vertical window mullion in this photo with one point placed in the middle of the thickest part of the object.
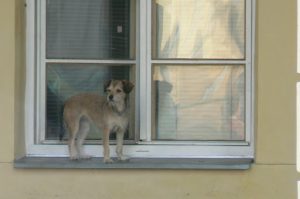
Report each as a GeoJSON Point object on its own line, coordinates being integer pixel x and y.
{"type": "Point", "coordinates": [30, 71]}
{"type": "Point", "coordinates": [249, 95]}
{"type": "Point", "coordinates": [41, 71]}
{"type": "Point", "coordinates": [145, 69]}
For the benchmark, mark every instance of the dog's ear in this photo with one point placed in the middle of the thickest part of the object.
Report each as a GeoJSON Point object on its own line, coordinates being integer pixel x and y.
{"type": "Point", "coordinates": [127, 86]}
{"type": "Point", "coordinates": [106, 84]}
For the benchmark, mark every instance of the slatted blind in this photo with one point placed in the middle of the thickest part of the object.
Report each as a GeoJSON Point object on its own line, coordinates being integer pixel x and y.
{"type": "Point", "coordinates": [85, 30]}
{"type": "Point", "coordinates": [89, 29]}
{"type": "Point", "coordinates": [66, 80]}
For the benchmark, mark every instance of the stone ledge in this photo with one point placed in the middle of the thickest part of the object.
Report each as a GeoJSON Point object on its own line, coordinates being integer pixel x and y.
{"type": "Point", "coordinates": [134, 163]}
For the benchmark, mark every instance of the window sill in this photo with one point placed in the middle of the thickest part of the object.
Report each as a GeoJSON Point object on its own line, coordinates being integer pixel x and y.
{"type": "Point", "coordinates": [134, 163]}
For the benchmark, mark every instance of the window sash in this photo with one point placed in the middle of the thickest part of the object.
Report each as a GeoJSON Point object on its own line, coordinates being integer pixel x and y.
{"type": "Point", "coordinates": [144, 147]}
{"type": "Point", "coordinates": [42, 62]}
{"type": "Point", "coordinates": [148, 62]}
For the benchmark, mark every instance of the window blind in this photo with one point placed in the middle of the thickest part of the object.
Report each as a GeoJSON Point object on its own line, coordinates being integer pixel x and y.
{"type": "Point", "coordinates": [66, 80]}
{"type": "Point", "coordinates": [89, 29]}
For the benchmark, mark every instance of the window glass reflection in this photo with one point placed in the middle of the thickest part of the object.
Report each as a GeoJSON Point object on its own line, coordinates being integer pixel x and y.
{"type": "Point", "coordinates": [208, 29]}
{"type": "Point", "coordinates": [199, 102]}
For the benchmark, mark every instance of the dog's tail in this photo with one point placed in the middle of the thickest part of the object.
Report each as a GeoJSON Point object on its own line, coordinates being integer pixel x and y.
{"type": "Point", "coordinates": [62, 123]}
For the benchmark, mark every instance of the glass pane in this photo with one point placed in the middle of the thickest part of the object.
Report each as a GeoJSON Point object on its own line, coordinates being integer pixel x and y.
{"type": "Point", "coordinates": [90, 29]}
{"type": "Point", "coordinates": [198, 102]}
{"type": "Point", "coordinates": [66, 80]}
{"type": "Point", "coordinates": [202, 29]}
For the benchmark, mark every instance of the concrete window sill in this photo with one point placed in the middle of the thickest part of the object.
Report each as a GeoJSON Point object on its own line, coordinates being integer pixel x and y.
{"type": "Point", "coordinates": [134, 163]}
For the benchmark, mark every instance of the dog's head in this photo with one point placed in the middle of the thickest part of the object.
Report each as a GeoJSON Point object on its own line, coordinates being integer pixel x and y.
{"type": "Point", "coordinates": [117, 90]}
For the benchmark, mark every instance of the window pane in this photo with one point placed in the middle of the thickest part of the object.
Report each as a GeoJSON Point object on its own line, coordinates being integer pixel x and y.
{"type": "Point", "coordinates": [203, 29]}
{"type": "Point", "coordinates": [199, 102]}
{"type": "Point", "coordinates": [66, 80]}
{"type": "Point", "coordinates": [90, 29]}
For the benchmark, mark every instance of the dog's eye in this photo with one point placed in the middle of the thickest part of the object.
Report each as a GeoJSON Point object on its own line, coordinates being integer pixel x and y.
{"type": "Point", "coordinates": [119, 90]}
{"type": "Point", "coordinates": [108, 90]}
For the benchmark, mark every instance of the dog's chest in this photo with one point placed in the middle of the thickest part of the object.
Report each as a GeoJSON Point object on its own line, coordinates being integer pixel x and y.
{"type": "Point", "coordinates": [117, 122]}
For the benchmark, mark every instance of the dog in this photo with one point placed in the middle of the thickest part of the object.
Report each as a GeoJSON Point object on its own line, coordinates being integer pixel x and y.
{"type": "Point", "coordinates": [110, 113]}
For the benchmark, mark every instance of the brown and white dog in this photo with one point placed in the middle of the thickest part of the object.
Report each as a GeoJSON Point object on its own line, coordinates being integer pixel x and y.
{"type": "Point", "coordinates": [110, 113]}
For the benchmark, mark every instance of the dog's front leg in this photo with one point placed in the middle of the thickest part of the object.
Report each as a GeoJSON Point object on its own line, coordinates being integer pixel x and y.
{"type": "Point", "coordinates": [106, 156]}
{"type": "Point", "coordinates": [119, 149]}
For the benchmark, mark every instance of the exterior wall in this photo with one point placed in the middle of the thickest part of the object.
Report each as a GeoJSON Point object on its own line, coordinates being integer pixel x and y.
{"type": "Point", "coordinates": [272, 176]}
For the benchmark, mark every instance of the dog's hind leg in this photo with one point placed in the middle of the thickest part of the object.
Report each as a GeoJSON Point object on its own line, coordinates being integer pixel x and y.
{"type": "Point", "coordinates": [72, 148]}
{"type": "Point", "coordinates": [73, 127]}
{"type": "Point", "coordinates": [82, 133]}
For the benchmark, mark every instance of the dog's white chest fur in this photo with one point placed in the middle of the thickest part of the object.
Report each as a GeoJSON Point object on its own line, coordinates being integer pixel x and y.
{"type": "Point", "coordinates": [117, 123]}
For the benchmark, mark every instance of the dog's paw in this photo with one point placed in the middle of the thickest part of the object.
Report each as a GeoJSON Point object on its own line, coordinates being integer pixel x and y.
{"type": "Point", "coordinates": [74, 157]}
{"type": "Point", "coordinates": [85, 157]}
{"type": "Point", "coordinates": [108, 160]}
{"type": "Point", "coordinates": [123, 158]}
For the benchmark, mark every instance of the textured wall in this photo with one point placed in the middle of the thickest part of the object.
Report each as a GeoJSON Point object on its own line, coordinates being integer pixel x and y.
{"type": "Point", "coordinates": [272, 176]}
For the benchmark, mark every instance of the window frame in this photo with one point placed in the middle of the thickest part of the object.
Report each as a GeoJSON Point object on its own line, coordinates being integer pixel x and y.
{"type": "Point", "coordinates": [144, 147]}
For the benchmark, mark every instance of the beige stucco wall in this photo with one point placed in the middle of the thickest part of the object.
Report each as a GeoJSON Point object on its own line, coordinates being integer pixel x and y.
{"type": "Point", "coordinates": [272, 176]}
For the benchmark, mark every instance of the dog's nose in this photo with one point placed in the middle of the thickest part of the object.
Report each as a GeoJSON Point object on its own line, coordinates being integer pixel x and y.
{"type": "Point", "coordinates": [110, 97]}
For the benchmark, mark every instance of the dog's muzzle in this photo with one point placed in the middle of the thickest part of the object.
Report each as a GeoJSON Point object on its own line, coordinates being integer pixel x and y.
{"type": "Point", "coordinates": [111, 97]}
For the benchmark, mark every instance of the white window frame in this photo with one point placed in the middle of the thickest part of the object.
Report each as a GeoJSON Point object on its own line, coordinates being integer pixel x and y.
{"type": "Point", "coordinates": [144, 147]}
